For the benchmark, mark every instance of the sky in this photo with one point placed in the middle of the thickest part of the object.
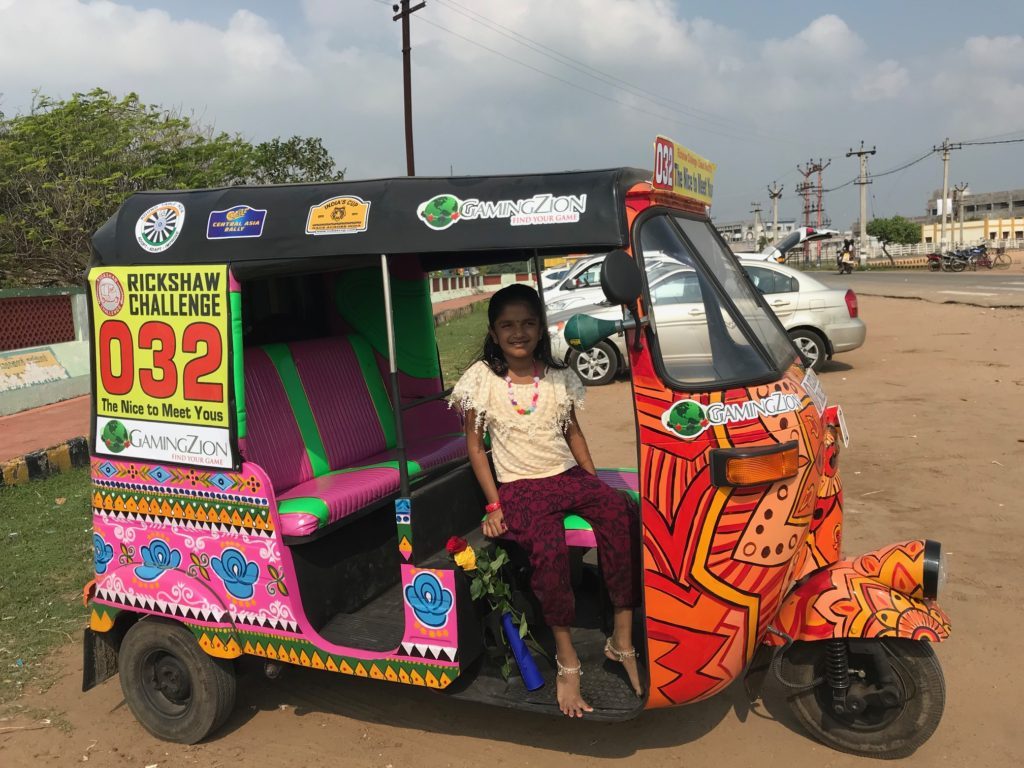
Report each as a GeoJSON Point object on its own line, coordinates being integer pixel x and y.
{"type": "Point", "coordinates": [543, 85]}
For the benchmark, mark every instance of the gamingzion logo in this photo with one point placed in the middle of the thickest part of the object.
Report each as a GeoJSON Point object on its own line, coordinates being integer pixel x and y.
{"type": "Point", "coordinates": [443, 211]}
{"type": "Point", "coordinates": [158, 228]}
{"type": "Point", "coordinates": [115, 436]}
{"type": "Point", "coordinates": [688, 418]}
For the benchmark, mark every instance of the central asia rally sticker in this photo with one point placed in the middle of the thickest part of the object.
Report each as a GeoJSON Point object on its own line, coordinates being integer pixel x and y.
{"type": "Point", "coordinates": [237, 221]}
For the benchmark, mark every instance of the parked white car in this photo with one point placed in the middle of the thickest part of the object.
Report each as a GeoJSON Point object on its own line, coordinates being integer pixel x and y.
{"type": "Point", "coordinates": [778, 252]}
{"type": "Point", "coordinates": [821, 321]}
{"type": "Point", "coordinates": [581, 285]}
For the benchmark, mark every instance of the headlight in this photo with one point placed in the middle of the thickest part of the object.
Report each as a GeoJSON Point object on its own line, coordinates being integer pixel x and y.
{"type": "Point", "coordinates": [934, 569]}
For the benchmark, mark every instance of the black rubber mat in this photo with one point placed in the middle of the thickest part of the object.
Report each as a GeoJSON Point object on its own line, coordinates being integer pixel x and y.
{"type": "Point", "coordinates": [377, 626]}
{"type": "Point", "coordinates": [604, 684]}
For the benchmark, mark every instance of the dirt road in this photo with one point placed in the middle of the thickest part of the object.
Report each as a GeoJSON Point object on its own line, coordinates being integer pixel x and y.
{"type": "Point", "coordinates": [934, 407]}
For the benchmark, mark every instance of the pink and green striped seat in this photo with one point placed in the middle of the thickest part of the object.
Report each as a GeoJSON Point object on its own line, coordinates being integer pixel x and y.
{"type": "Point", "coordinates": [320, 424]}
{"type": "Point", "coordinates": [578, 532]}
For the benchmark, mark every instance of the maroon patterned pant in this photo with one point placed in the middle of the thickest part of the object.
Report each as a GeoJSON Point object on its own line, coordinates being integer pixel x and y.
{"type": "Point", "coordinates": [534, 510]}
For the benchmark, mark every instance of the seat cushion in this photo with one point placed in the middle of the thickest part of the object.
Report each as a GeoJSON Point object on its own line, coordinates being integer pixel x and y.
{"type": "Point", "coordinates": [315, 504]}
{"type": "Point", "coordinates": [426, 454]}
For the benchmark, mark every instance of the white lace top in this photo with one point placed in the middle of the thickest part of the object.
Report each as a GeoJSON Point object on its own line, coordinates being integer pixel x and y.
{"type": "Point", "coordinates": [522, 446]}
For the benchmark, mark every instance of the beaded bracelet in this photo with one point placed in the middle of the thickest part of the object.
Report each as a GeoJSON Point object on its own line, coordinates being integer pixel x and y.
{"type": "Point", "coordinates": [493, 507]}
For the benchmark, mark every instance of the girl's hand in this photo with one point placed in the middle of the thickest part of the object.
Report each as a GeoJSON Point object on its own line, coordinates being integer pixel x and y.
{"type": "Point", "coordinates": [494, 524]}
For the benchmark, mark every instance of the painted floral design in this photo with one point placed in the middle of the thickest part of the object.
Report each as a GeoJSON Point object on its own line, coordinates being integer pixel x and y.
{"type": "Point", "coordinates": [237, 573]}
{"type": "Point", "coordinates": [103, 553]}
{"type": "Point", "coordinates": [157, 558]}
{"type": "Point", "coordinates": [429, 600]}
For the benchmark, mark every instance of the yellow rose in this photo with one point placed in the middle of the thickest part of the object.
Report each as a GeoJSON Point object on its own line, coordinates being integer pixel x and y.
{"type": "Point", "coordinates": [466, 559]}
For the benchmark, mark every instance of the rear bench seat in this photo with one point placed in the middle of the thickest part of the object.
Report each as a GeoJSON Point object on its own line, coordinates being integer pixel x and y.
{"type": "Point", "coordinates": [320, 424]}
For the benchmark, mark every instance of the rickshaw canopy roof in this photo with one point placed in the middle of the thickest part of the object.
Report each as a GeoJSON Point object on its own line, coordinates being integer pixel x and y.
{"type": "Point", "coordinates": [549, 212]}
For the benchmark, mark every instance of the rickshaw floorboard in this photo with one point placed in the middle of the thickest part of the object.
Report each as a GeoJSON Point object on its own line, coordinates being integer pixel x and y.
{"type": "Point", "coordinates": [377, 626]}
{"type": "Point", "coordinates": [604, 684]}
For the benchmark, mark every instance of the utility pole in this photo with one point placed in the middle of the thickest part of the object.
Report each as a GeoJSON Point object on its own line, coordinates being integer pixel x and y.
{"type": "Point", "coordinates": [806, 189]}
{"type": "Point", "coordinates": [946, 147]}
{"type": "Point", "coordinates": [403, 12]}
{"type": "Point", "coordinates": [775, 193]}
{"type": "Point", "coordinates": [958, 196]}
{"type": "Point", "coordinates": [755, 208]}
{"type": "Point", "coordinates": [862, 155]}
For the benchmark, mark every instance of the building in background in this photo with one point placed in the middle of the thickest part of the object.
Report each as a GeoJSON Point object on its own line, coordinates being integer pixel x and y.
{"type": "Point", "coordinates": [743, 231]}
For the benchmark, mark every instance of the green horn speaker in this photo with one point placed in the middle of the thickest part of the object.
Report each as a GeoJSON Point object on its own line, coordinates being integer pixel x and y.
{"type": "Point", "coordinates": [583, 331]}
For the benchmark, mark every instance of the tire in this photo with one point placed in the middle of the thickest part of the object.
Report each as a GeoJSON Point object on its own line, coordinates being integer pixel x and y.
{"type": "Point", "coordinates": [1001, 261]}
{"type": "Point", "coordinates": [934, 266]}
{"type": "Point", "coordinates": [811, 345]}
{"type": "Point", "coordinates": [597, 366]}
{"type": "Point", "coordinates": [175, 690]}
{"type": "Point", "coordinates": [879, 731]}
{"type": "Point", "coordinates": [957, 265]}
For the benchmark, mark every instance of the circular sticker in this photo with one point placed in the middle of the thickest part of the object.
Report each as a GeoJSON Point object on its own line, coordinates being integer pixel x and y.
{"type": "Point", "coordinates": [109, 293]}
{"type": "Point", "coordinates": [158, 228]}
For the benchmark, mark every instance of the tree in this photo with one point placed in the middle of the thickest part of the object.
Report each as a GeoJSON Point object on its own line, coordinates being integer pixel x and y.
{"type": "Point", "coordinates": [66, 166]}
{"type": "Point", "coordinates": [297, 159]}
{"type": "Point", "coordinates": [894, 230]}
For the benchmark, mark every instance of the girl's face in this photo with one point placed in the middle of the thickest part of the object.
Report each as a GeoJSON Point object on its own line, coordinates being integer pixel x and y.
{"type": "Point", "coordinates": [517, 331]}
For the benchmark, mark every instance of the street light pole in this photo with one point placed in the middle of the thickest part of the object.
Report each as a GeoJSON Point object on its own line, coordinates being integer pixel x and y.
{"type": "Point", "coordinates": [403, 12]}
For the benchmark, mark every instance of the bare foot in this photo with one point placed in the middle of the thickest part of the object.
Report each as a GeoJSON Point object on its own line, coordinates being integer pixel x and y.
{"type": "Point", "coordinates": [627, 658]}
{"type": "Point", "coordinates": [567, 686]}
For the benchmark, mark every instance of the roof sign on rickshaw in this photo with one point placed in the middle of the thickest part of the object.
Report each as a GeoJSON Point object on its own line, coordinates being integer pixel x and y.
{"type": "Point", "coordinates": [679, 170]}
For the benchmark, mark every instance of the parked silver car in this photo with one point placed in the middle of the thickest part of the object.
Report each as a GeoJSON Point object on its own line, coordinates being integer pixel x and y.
{"type": "Point", "coordinates": [821, 321]}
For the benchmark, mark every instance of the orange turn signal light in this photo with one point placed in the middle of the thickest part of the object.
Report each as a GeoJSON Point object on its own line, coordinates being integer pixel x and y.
{"type": "Point", "coordinates": [755, 466]}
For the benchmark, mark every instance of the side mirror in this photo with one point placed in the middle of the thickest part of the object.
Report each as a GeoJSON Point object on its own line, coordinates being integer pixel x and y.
{"type": "Point", "coordinates": [620, 279]}
{"type": "Point", "coordinates": [583, 331]}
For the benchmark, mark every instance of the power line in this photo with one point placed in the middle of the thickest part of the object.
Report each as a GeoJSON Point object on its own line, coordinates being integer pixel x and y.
{"type": "Point", "coordinates": [583, 88]}
{"type": "Point", "coordinates": [593, 72]}
{"type": "Point", "coordinates": [978, 143]}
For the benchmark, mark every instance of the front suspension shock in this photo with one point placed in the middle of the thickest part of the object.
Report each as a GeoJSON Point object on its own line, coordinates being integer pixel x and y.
{"type": "Point", "coordinates": [837, 672]}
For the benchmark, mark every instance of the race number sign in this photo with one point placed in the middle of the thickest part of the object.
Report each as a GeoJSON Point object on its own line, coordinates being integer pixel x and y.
{"type": "Point", "coordinates": [161, 364]}
{"type": "Point", "coordinates": [683, 172]}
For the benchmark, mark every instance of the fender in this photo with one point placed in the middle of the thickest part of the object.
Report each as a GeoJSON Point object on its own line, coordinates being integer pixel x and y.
{"type": "Point", "coordinates": [885, 593]}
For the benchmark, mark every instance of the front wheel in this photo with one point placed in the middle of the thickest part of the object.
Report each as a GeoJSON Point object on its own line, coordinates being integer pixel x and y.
{"type": "Point", "coordinates": [596, 366]}
{"type": "Point", "coordinates": [175, 690]}
{"type": "Point", "coordinates": [810, 344]}
{"type": "Point", "coordinates": [894, 703]}
{"type": "Point", "coordinates": [957, 265]}
{"type": "Point", "coordinates": [1001, 261]}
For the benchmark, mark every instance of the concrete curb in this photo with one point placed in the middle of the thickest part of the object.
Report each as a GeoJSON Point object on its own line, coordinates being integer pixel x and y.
{"type": "Point", "coordinates": [45, 462]}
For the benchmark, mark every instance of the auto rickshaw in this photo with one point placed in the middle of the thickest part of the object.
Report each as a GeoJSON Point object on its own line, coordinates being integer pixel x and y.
{"type": "Point", "coordinates": [275, 471]}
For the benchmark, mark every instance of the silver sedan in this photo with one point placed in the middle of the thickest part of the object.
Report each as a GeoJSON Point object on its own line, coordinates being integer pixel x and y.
{"type": "Point", "coordinates": [821, 321]}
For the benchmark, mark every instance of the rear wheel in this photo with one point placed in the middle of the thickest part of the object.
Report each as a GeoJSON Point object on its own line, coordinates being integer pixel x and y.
{"type": "Point", "coordinates": [174, 689]}
{"type": "Point", "coordinates": [957, 265]}
{"type": "Point", "coordinates": [810, 344]}
{"type": "Point", "coordinates": [898, 706]}
{"type": "Point", "coordinates": [596, 366]}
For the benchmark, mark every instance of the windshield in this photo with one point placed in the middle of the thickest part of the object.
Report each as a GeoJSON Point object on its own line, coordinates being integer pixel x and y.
{"type": "Point", "coordinates": [700, 338]}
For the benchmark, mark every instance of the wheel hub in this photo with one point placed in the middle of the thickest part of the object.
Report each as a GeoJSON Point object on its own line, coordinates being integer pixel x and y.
{"type": "Point", "coordinates": [171, 679]}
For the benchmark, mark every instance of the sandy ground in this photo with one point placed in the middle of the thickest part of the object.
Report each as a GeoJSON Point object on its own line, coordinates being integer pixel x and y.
{"type": "Point", "coordinates": [934, 407]}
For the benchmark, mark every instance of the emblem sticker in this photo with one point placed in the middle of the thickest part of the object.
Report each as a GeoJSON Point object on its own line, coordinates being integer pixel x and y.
{"type": "Point", "coordinates": [338, 216]}
{"type": "Point", "coordinates": [158, 228]}
{"type": "Point", "coordinates": [812, 386]}
{"type": "Point", "coordinates": [238, 221]}
{"type": "Point", "coordinates": [109, 293]}
{"type": "Point", "coordinates": [442, 211]}
{"type": "Point", "coordinates": [687, 419]}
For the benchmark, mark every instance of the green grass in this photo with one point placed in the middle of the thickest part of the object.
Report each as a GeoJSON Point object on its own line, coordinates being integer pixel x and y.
{"type": "Point", "coordinates": [460, 341]}
{"type": "Point", "coordinates": [45, 560]}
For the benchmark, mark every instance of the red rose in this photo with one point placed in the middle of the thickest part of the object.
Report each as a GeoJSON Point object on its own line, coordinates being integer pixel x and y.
{"type": "Point", "coordinates": [455, 545]}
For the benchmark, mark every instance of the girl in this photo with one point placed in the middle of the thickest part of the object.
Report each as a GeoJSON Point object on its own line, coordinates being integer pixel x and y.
{"type": "Point", "coordinates": [526, 400]}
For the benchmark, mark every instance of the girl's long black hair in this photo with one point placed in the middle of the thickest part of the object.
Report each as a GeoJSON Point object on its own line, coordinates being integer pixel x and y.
{"type": "Point", "coordinates": [517, 293]}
